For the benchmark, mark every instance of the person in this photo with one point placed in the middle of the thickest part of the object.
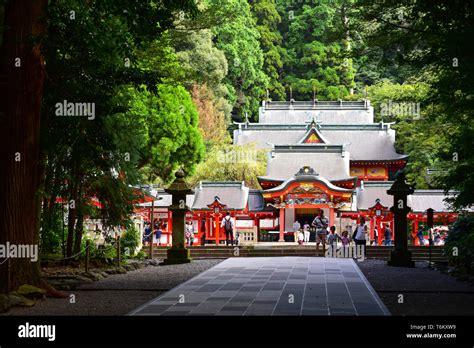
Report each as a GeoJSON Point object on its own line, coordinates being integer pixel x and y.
{"type": "Point", "coordinates": [306, 233]}
{"type": "Point", "coordinates": [159, 230]}
{"type": "Point", "coordinates": [228, 225]}
{"type": "Point", "coordinates": [189, 233]}
{"type": "Point", "coordinates": [332, 238]}
{"type": "Point", "coordinates": [146, 234]}
{"type": "Point", "coordinates": [387, 235]}
{"type": "Point", "coordinates": [376, 234]}
{"type": "Point", "coordinates": [301, 237]}
{"type": "Point", "coordinates": [321, 223]}
{"type": "Point", "coordinates": [345, 240]}
{"type": "Point", "coordinates": [420, 235]}
{"type": "Point", "coordinates": [437, 238]}
{"type": "Point", "coordinates": [203, 234]}
{"type": "Point", "coordinates": [296, 230]}
{"type": "Point", "coordinates": [360, 234]}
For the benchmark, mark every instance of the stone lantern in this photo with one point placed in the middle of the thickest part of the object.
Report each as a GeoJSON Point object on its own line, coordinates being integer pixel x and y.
{"type": "Point", "coordinates": [178, 253]}
{"type": "Point", "coordinates": [400, 190]}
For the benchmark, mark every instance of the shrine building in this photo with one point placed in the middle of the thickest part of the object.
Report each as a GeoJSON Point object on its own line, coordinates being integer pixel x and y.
{"type": "Point", "coordinates": [324, 155]}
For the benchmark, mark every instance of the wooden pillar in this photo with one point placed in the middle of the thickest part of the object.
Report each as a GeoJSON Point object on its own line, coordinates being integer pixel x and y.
{"type": "Point", "coordinates": [256, 221]}
{"type": "Point", "coordinates": [331, 217]}
{"type": "Point", "coordinates": [372, 225]}
{"type": "Point", "coordinates": [381, 233]}
{"type": "Point", "coordinates": [170, 228]}
{"type": "Point", "coordinates": [217, 227]}
{"type": "Point", "coordinates": [282, 225]}
{"type": "Point", "coordinates": [198, 228]}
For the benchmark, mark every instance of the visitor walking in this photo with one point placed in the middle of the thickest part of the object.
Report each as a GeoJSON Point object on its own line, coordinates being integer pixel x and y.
{"type": "Point", "coordinates": [321, 223]}
{"type": "Point", "coordinates": [296, 230]}
{"type": "Point", "coordinates": [158, 231]}
{"type": "Point", "coordinates": [147, 234]}
{"type": "Point", "coordinates": [332, 238]}
{"type": "Point", "coordinates": [360, 234]}
{"type": "Point", "coordinates": [388, 235]}
{"type": "Point", "coordinates": [189, 233]}
{"type": "Point", "coordinates": [228, 225]}
{"type": "Point", "coordinates": [420, 235]}
{"type": "Point", "coordinates": [376, 234]}
{"type": "Point", "coordinates": [306, 233]}
{"type": "Point", "coordinates": [345, 240]}
{"type": "Point", "coordinates": [301, 237]}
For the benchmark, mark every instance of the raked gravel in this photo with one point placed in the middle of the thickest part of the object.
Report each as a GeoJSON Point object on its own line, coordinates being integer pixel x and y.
{"type": "Point", "coordinates": [120, 293]}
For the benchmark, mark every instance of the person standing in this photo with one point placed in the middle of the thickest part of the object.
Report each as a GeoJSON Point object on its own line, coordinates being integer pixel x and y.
{"type": "Point", "coordinates": [228, 224]}
{"type": "Point", "coordinates": [189, 233]}
{"type": "Point", "coordinates": [332, 239]}
{"type": "Point", "coordinates": [360, 234]}
{"type": "Point", "coordinates": [321, 223]}
{"type": "Point", "coordinates": [420, 235]}
{"type": "Point", "coordinates": [146, 234]}
{"type": "Point", "coordinates": [296, 230]}
{"type": "Point", "coordinates": [159, 231]}
{"type": "Point", "coordinates": [345, 242]}
{"type": "Point", "coordinates": [306, 233]}
{"type": "Point", "coordinates": [388, 235]}
{"type": "Point", "coordinates": [376, 234]}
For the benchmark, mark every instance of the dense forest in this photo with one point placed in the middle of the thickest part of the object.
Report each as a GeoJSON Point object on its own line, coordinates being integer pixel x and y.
{"type": "Point", "coordinates": [169, 77]}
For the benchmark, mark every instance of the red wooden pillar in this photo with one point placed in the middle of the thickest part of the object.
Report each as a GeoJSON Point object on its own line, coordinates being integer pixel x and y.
{"type": "Point", "coordinates": [282, 225]}
{"type": "Point", "coordinates": [217, 227]}
{"type": "Point", "coordinates": [331, 216]}
{"type": "Point", "coordinates": [169, 240]}
{"type": "Point", "coordinates": [256, 221]}
{"type": "Point", "coordinates": [372, 225]}
{"type": "Point", "coordinates": [208, 227]}
{"type": "Point", "coordinates": [198, 228]}
{"type": "Point", "coordinates": [381, 229]}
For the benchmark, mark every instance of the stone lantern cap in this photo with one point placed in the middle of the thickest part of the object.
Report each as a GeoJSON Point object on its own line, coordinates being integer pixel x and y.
{"type": "Point", "coordinates": [179, 185]}
{"type": "Point", "coordinates": [400, 186]}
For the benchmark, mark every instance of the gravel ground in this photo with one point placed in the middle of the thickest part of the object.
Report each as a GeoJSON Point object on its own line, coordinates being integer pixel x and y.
{"type": "Point", "coordinates": [119, 294]}
{"type": "Point", "coordinates": [425, 291]}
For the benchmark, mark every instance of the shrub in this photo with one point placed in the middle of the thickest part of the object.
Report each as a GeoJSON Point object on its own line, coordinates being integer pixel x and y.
{"type": "Point", "coordinates": [130, 241]}
{"type": "Point", "coordinates": [461, 236]}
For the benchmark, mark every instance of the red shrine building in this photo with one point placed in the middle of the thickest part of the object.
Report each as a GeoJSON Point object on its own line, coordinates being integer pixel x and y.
{"type": "Point", "coordinates": [328, 156]}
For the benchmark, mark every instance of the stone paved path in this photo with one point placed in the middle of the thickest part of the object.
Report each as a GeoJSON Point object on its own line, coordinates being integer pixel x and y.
{"type": "Point", "coordinates": [272, 286]}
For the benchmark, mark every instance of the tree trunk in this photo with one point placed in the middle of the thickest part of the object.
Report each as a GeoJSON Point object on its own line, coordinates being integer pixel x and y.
{"type": "Point", "coordinates": [21, 90]}
{"type": "Point", "coordinates": [79, 223]}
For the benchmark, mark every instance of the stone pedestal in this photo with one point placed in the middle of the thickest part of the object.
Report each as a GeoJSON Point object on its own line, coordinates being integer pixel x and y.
{"type": "Point", "coordinates": [400, 256]}
{"type": "Point", "coordinates": [178, 253]}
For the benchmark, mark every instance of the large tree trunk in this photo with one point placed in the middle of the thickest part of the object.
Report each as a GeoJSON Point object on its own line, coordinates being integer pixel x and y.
{"type": "Point", "coordinates": [21, 90]}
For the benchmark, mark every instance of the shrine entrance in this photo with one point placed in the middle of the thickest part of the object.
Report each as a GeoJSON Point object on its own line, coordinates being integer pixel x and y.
{"type": "Point", "coordinates": [306, 216]}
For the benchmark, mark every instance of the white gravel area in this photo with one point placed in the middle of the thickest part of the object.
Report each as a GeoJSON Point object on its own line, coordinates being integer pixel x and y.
{"type": "Point", "coordinates": [119, 294]}
{"type": "Point", "coordinates": [424, 291]}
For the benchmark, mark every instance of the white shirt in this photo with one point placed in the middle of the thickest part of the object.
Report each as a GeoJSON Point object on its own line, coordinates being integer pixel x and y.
{"type": "Point", "coordinates": [296, 226]}
{"type": "Point", "coordinates": [360, 235]}
{"type": "Point", "coordinates": [231, 222]}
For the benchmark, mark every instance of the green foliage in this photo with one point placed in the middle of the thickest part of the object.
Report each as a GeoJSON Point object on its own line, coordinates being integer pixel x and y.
{"type": "Point", "coordinates": [435, 41]}
{"type": "Point", "coordinates": [226, 162]}
{"type": "Point", "coordinates": [130, 242]}
{"type": "Point", "coordinates": [461, 236]}
{"type": "Point", "coordinates": [268, 19]}
{"type": "Point", "coordinates": [239, 39]}
{"type": "Point", "coordinates": [318, 61]}
{"type": "Point", "coordinates": [170, 123]}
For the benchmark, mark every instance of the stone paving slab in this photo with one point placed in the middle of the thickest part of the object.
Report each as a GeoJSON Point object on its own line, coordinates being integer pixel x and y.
{"type": "Point", "coordinates": [272, 286]}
